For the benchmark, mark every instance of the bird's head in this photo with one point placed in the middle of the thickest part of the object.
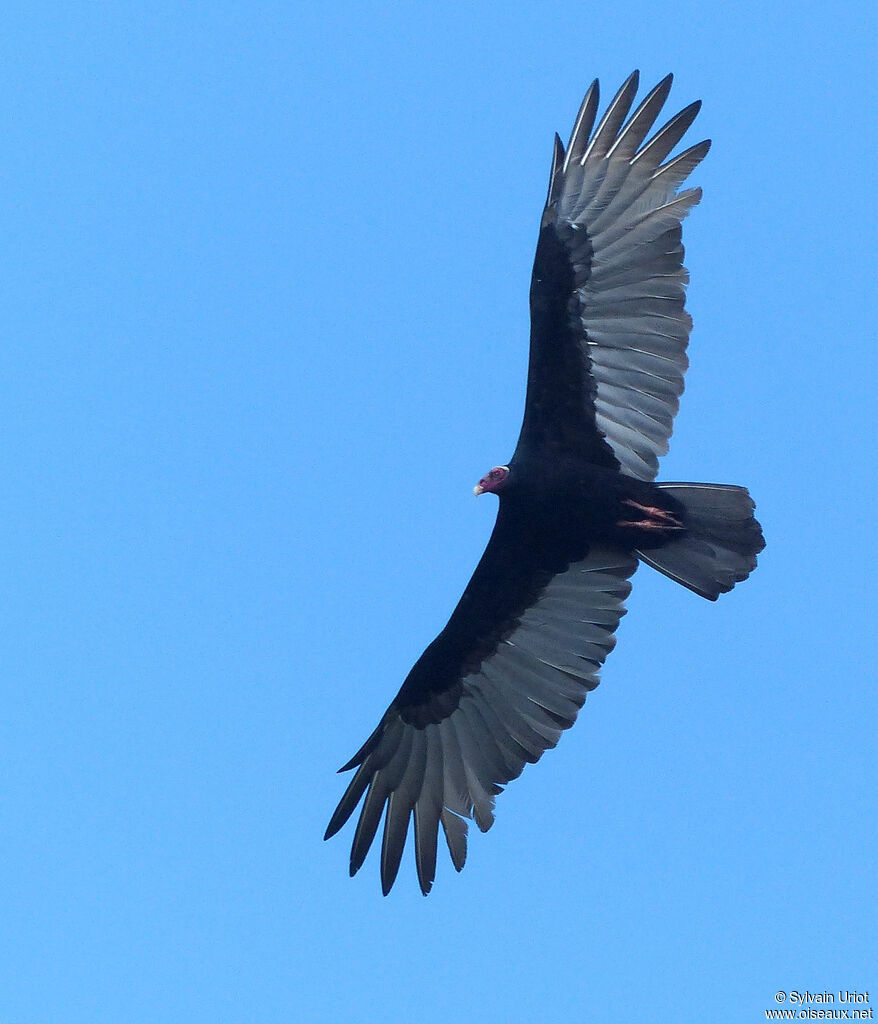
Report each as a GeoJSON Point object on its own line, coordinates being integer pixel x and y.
{"type": "Point", "coordinates": [493, 481]}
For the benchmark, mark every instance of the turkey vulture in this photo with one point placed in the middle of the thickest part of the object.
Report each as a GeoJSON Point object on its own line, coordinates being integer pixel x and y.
{"type": "Point", "coordinates": [577, 504]}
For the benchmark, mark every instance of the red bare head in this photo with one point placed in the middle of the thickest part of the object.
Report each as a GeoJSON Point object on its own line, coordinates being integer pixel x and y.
{"type": "Point", "coordinates": [494, 481]}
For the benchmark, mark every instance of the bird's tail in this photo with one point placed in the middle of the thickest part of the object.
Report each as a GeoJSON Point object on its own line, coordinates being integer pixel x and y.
{"type": "Point", "coordinates": [721, 540]}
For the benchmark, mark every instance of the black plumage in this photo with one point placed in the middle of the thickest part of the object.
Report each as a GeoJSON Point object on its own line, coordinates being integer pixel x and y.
{"type": "Point", "coordinates": [578, 505]}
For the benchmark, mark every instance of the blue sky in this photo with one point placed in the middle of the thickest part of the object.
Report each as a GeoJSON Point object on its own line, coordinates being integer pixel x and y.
{"type": "Point", "coordinates": [264, 325]}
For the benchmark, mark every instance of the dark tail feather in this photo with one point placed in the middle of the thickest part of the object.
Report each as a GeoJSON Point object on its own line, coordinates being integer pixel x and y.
{"type": "Point", "coordinates": [721, 541]}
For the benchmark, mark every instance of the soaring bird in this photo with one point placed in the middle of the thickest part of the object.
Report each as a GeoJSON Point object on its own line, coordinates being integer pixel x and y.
{"type": "Point", "coordinates": [578, 508]}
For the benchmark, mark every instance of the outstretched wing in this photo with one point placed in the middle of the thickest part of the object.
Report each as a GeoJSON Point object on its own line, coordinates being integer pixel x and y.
{"type": "Point", "coordinates": [608, 326]}
{"type": "Point", "coordinates": [493, 691]}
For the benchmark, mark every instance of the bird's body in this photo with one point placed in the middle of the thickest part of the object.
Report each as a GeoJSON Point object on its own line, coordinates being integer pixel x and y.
{"type": "Point", "coordinates": [578, 502]}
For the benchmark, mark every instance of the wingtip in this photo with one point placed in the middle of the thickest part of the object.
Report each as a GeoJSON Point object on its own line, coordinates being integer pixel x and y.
{"type": "Point", "coordinates": [336, 822]}
{"type": "Point", "coordinates": [630, 85]}
{"type": "Point", "coordinates": [663, 89]}
{"type": "Point", "coordinates": [557, 157]}
{"type": "Point", "coordinates": [389, 871]}
{"type": "Point", "coordinates": [583, 124]}
{"type": "Point", "coordinates": [370, 743]}
{"type": "Point", "coordinates": [551, 195]}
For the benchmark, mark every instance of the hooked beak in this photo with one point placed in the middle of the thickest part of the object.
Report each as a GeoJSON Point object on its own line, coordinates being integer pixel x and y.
{"type": "Point", "coordinates": [478, 489]}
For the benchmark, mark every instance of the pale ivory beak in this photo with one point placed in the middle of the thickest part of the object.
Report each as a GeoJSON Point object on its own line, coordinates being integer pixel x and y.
{"type": "Point", "coordinates": [478, 489]}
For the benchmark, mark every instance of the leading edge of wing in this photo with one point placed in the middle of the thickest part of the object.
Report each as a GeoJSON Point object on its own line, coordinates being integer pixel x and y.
{"type": "Point", "coordinates": [615, 211]}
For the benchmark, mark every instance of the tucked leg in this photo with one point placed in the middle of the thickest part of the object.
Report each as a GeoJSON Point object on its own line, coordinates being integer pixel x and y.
{"type": "Point", "coordinates": [651, 518]}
